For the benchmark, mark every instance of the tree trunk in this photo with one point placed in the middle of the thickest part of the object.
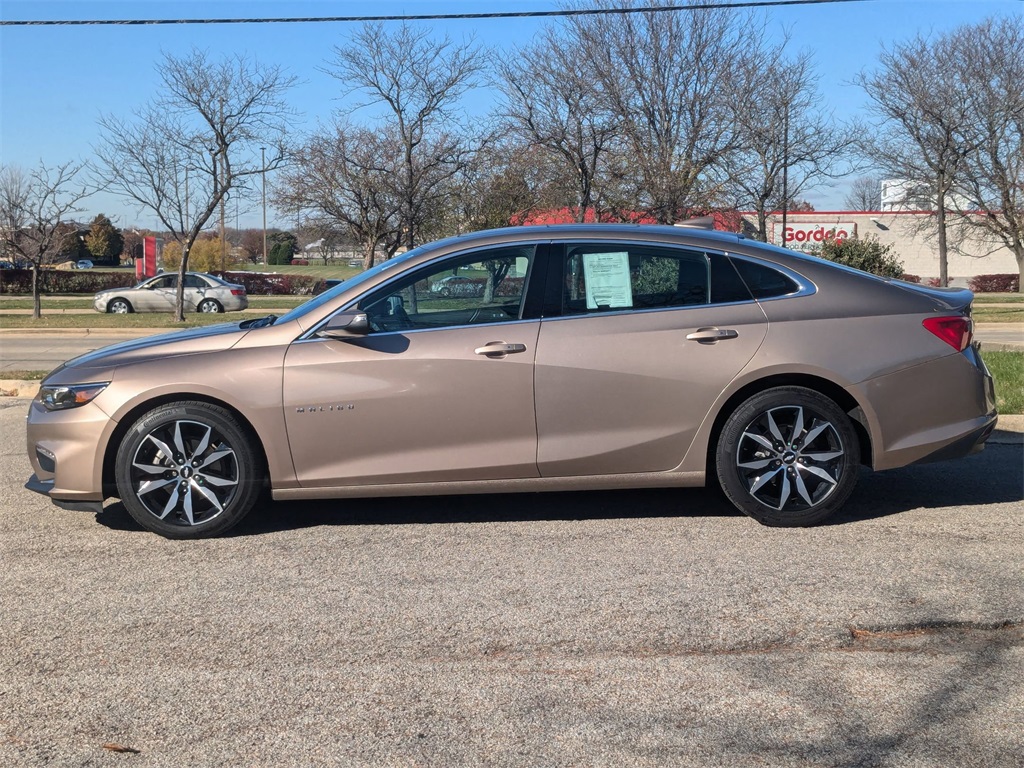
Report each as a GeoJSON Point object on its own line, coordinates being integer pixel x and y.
{"type": "Point", "coordinates": [179, 298]}
{"type": "Point", "coordinates": [36, 307]}
{"type": "Point", "coordinates": [943, 254]}
{"type": "Point", "coordinates": [762, 224]}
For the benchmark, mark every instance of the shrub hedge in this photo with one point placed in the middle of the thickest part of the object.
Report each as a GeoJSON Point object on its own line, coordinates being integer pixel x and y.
{"type": "Point", "coordinates": [64, 281]}
{"type": "Point", "coordinates": [272, 284]}
{"type": "Point", "coordinates": [995, 283]}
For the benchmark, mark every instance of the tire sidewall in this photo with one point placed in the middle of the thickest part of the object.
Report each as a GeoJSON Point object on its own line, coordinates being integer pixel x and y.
{"type": "Point", "coordinates": [730, 478]}
{"type": "Point", "coordinates": [249, 463]}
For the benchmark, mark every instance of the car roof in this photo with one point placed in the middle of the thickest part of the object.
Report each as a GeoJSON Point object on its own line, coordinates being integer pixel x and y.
{"type": "Point", "coordinates": [652, 232]}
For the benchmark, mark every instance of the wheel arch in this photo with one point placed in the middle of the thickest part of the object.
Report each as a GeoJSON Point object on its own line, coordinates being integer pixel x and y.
{"type": "Point", "coordinates": [126, 422]}
{"type": "Point", "coordinates": [823, 386]}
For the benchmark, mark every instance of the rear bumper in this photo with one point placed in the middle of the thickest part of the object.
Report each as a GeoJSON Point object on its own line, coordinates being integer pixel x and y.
{"type": "Point", "coordinates": [965, 446]}
{"type": "Point", "coordinates": [943, 409]}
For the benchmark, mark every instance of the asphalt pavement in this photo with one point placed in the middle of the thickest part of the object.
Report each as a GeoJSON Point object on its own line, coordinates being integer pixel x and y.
{"type": "Point", "coordinates": [654, 628]}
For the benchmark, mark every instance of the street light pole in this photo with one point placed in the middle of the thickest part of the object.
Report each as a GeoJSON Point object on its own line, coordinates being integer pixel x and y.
{"type": "Point", "coordinates": [263, 171]}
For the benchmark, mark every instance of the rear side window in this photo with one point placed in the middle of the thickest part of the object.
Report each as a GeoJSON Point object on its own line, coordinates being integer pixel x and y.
{"type": "Point", "coordinates": [763, 281]}
{"type": "Point", "coordinates": [613, 277]}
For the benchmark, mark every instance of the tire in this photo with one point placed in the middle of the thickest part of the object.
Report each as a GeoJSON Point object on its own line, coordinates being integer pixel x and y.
{"type": "Point", "coordinates": [119, 307]}
{"type": "Point", "coordinates": [788, 457]}
{"type": "Point", "coordinates": [187, 471]}
{"type": "Point", "coordinates": [210, 307]}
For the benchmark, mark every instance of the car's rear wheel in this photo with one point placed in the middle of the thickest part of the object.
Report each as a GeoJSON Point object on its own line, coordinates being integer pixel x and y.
{"type": "Point", "coordinates": [210, 306]}
{"type": "Point", "coordinates": [187, 470]}
{"type": "Point", "coordinates": [119, 307]}
{"type": "Point", "coordinates": [788, 456]}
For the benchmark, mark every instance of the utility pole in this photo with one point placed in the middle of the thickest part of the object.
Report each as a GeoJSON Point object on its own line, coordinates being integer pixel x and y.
{"type": "Point", "coordinates": [263, 170]}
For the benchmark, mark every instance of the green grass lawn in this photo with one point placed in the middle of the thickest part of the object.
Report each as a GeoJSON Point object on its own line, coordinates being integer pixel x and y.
{"type": "Point", "coordinates": [985, 314]}
{"type": "Point", "coordinates": [1008, 371]}
{"type": "Point", "coordinates": [998, 298]}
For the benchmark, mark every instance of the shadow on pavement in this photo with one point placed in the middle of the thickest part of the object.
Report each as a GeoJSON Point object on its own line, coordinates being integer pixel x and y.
{"type": "Point", "coordinates": [992, 477]}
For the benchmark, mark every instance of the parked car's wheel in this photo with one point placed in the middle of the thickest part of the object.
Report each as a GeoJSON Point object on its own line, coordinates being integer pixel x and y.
{"type": "Point", "coordinates": [210, 306]}
{"type": "Point", "coordinates": [788, 456]}
{"type": "Point", "coordinates": [187, 470]}
{"type": "Point", "coordinates": [119, 307]}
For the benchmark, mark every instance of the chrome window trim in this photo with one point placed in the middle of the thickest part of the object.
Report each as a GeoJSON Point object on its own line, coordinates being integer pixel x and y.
{"type": "Point", "coordinates": [406, 332]}
{"type": "Point", "coordinates": [806, 287]}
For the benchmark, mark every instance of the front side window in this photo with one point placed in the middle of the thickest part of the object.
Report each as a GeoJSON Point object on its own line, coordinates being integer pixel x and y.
{"type": "Point", "coordinates": [164, 282]}
{"type": "Point", "coordinates": [482, 287]}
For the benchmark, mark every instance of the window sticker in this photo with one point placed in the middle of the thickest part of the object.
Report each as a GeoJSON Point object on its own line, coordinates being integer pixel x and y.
{"type": "Point", "coordinates": [607, 280]}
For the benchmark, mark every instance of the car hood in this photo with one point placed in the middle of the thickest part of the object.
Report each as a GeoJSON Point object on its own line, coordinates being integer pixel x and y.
{"type": "Point", "coordinates": [212, 338]}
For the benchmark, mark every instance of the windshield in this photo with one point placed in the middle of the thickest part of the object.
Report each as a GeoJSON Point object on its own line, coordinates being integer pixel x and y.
{"type": "Point", "coordinates": [326, 296]}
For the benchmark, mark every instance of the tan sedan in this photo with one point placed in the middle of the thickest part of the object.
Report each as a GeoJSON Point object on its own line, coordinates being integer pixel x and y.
{"type": "Point", "coordinates": [203, 293]}
{"type": "Point", "coordinates": [592, 356]}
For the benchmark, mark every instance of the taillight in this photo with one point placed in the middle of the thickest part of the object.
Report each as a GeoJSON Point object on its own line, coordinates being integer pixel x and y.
{"type": "Point", "coordinates": [955, 331]}
{"type": "Point", "coordinates": [238, 291]}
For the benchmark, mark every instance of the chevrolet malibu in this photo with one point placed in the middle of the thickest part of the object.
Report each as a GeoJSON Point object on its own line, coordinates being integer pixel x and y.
{"type": "Point", "coordinates": [202, 293]}
{"type": "Point", "coordinates": [595, 356]}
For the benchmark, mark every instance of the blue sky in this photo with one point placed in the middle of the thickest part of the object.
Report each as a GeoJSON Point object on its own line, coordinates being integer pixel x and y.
{"type": "Point", "coordinates": [56, 81]}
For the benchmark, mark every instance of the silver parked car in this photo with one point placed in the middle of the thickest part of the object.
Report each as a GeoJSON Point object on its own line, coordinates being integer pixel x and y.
{"type": "Point", "coordinates": [599, 356]}
{"type": "Point", "coordinates": [203, 293]}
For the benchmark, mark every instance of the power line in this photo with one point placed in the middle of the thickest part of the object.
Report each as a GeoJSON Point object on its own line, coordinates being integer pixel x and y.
{"type": "Point", "coordinates": [424, 16]}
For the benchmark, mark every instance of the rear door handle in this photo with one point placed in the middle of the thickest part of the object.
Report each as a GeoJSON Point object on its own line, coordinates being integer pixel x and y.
{"type": "Point", "coordinates": [711, 335]}
{"type": "Point", "coordinates": [498, 349]}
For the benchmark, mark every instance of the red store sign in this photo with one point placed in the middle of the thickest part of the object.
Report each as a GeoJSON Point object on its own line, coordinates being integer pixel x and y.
{"type": "Point", "coordinates": [812, 234]}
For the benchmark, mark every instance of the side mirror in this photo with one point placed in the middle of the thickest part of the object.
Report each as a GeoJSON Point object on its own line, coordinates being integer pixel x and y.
{"type": "Point", "coordinates": [346, 324]}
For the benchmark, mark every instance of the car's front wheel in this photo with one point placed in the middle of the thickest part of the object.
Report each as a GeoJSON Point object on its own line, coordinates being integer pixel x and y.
{"type": "Point", "coordinates": [119, 307]}
{"type": "Point", "coordinates": [210, 306]}
{"type": "Point", "coordinates": [788, 456]}
{"type": "Point", "coordinates": [188, 470]}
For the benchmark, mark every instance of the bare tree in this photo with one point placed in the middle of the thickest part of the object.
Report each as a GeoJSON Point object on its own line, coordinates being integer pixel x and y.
{"type": "Point", "coordinates": [786, 144]}
{"type": "Point", "coordinates": [345, 174]}
{"type": "Point", "coordinates": [989, 69]}
{"type": "Point", "coordinates": [506, 181]}
{"type": "Point", "coordinates": [920, 111]}
{"type": "Point", "coordinates": [35, 208]}
{"type": "Point", "coordinates": [669, 78]}
{"type": "Point", "coordinates": [420, 81]}
{"type": "Point", "coordinates": [865, 194]}
{"type": "Point", "coordinates": [181, 154]}
{"type": "Point", "coordinates": [553, 102]}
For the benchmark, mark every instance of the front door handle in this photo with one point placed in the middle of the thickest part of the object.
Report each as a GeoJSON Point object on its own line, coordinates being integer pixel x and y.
{"type": "Point", "coordinates": [498, 349]}
{"type": "Point", "coordinates": [711, 335]}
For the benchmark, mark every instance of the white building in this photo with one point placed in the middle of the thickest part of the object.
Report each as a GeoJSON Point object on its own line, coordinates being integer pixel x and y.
{"type": "Point", "coordinates": [912, 234]}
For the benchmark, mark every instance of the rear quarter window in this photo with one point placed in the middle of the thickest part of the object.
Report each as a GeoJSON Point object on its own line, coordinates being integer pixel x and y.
{"type": "Point", "coordinates": [763, 281]}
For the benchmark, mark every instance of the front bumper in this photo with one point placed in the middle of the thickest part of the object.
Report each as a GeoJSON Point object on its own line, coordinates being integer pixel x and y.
{"type": "Point", "coordinates": [45, 486]}
{"type": "Point", "coordinates": [65, 450]}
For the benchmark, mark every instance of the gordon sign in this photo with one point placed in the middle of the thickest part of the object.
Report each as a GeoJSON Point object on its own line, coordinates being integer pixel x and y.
{"type": "Point", "coordinates": [804, 235]}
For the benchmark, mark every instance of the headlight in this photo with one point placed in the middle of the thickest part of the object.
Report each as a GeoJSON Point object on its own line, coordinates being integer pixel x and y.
{"type": "Point", "coordinates": [59, 398]}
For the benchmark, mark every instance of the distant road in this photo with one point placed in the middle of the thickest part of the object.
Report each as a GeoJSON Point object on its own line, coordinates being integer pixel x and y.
{"type": "Point", "coordinates": [33, 350]}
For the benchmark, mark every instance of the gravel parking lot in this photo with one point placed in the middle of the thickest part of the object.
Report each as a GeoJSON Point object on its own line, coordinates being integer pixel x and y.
{"type": "Point", "coordinates": [594, 629]}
